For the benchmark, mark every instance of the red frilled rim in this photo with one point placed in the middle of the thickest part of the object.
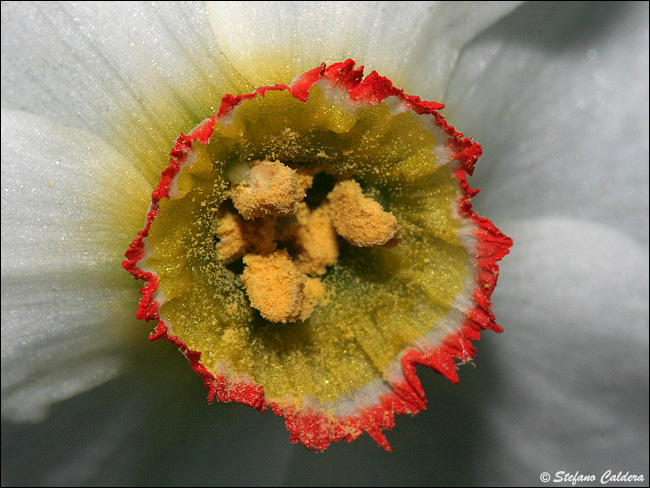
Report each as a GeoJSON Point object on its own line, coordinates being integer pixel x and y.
{"type": "Point", "coordinates": [312, 428]}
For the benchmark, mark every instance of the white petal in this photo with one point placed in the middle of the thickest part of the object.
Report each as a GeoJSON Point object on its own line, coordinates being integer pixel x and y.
{"type": "Point", "coordinates": [134, 73]}
{"type": "Point", "coordinates": [415, 44]}
{"type": "Point", "coordinates": [560, 105]}
{"type": "Point", "coordinates": [573, 360]}
{"type": "Point", "coordinates": [70, 206]}
{"type": "Point", "coordinates": [558, 97]}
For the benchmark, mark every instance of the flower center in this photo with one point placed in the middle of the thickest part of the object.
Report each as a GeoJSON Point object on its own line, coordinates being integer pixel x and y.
{"type": "Point", "coordinates": [284, 244]}
{"type": "Point", "coordinates": [249, 221]}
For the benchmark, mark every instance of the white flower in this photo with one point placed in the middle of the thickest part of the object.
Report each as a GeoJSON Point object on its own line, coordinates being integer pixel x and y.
{"type": "Point", "coordinates": [558, 97]}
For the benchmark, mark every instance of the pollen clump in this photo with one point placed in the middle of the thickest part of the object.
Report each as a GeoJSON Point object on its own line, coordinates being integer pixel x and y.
{"type": "Point", "coordinates": [273, 189]}
{"type": "Point", "coordinates": [286, 245]}
{"type": "Point", "coordinates": [360, 220]}
{"type": "Point", "coordinates": [274, 285]}
{"type": "Point", "coordinates": [315, 240]}
{"type": "Point", "coordinates": [238, 236]}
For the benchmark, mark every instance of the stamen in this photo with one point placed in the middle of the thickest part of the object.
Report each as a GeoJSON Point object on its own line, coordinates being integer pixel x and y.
{"type": "Point", "coordinates": [360, 220]}
{"type": "Point", "coordinates": [315, 240]}
{"type": "Point", "coordinates": [274, 189]}
{"type": "Point", "coordinates": [275, 287]}
{"type": "Point", "coordinates": [238, 236]}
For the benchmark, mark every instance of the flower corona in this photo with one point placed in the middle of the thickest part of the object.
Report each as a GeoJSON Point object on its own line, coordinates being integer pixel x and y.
{"type": "Point", "coordinates": [311, 243]}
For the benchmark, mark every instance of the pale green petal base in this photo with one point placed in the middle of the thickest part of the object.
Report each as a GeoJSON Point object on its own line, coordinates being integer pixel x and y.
{"type": "Point", "coordinates": [415, 47]}
{"type": "Point", "coordinates": [135, 74]}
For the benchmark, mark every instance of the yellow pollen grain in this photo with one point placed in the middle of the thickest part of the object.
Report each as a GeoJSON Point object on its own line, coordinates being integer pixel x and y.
{"type": "Point", "coordinates": [273, 189]}
{"type": "Point", "coordinates": [315, 240]}
{"type": "Point", "coordinates": [232, 240]}
{"type": "Point", "coordinates": [238, 236]}
{"type": "Point", "coordinates": [360, 220]}
{"type": "Point", "coordinates": [274, 286]}
{"type": "Point", "coordinates": [305, 178]}
{"type": "Point", "coordinates": [314, 295]}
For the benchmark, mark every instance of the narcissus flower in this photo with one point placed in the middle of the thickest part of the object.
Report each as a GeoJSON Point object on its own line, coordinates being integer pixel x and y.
{"type": "Point", "coordinates": [94, 99]}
